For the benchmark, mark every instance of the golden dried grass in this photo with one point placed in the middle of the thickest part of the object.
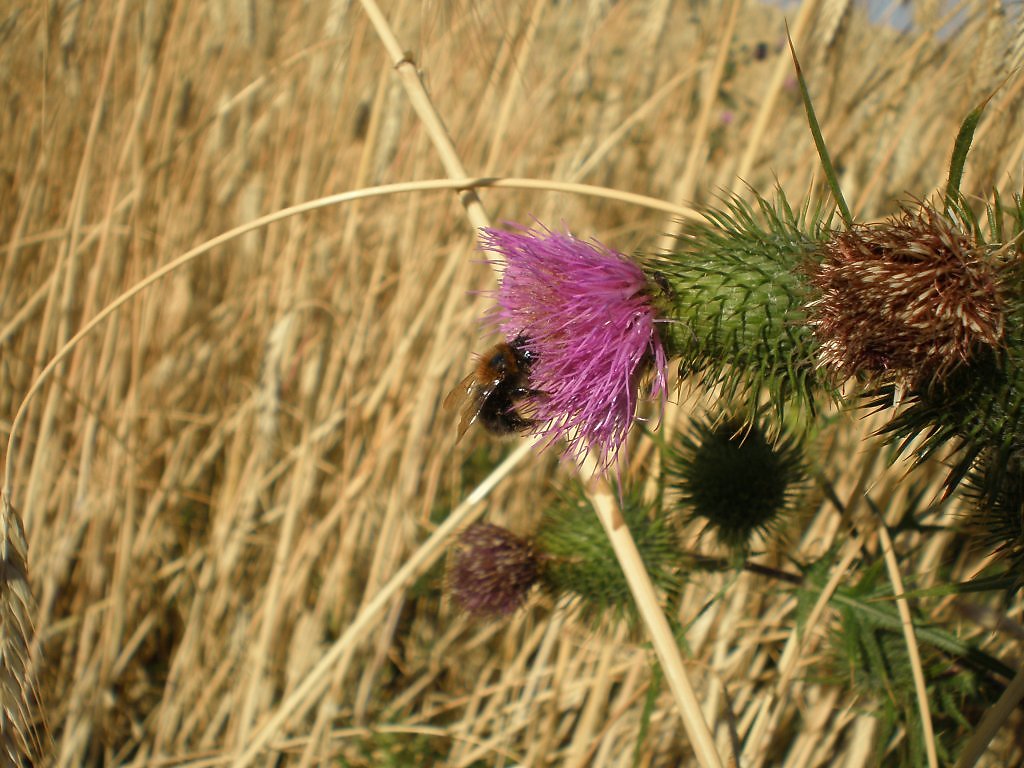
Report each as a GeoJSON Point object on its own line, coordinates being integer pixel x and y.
{"type": "Point", "coordinates": [224, 475]}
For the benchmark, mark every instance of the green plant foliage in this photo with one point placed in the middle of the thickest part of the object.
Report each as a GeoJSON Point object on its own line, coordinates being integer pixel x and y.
{"type": "Point", "coordinates": [736, 293]}
{"type": "Point", "coordinates": [397, 750]}
{"type": "Point", "coordinates": [996, 516]}
{"type": "Point", "coordinates": [819, 140]}
{"type": "Point", "coordinates": [961, 147]}
{"type": "Point", "coordinates": [1016, 214]}
{"type": "Point", "coordinates": [650, 706]}
{"type": "Point", "coordinates": [577, 558]}
{"type": "Point", "coordinates": [871, 656]}
{"type": "Point", "coordinates": [736, 476]}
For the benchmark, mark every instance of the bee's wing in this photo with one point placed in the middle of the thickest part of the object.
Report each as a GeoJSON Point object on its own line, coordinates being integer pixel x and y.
{"type": "Point", "coordinates": [459, 394]}
{"type": "Point", "coordinates": [469, 395]}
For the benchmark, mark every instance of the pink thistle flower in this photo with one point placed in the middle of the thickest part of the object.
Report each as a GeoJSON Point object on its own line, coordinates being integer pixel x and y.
{"type": "Point", "coordinates": [585, 313]}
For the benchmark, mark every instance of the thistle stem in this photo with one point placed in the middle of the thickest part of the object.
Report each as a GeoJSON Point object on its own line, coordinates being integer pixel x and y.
{"type": "Point", "coordinates": [721, 564]}
{"type": "Point", "coordinates": [603, 500]}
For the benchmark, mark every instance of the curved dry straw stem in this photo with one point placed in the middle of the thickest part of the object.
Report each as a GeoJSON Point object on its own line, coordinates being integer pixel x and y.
{"type": "Point", "coordinates": [15, 597]}
{"type": "Point", "coordinates": [17, 679]}
{"type": "Point", "coordinates": [284, 213]}
{"type": "Point", "coordinates": [17, 630]}
{"type": "Point", "coordinates": [420, 100]}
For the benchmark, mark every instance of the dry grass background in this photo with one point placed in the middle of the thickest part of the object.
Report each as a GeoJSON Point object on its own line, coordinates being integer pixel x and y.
{"type": "Point", "coordinates": [221, 475]}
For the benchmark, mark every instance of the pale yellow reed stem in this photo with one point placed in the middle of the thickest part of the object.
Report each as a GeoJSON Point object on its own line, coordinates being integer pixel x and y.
{"type": "Point", "coordinates": [621, 539]}
{"type": "Point", "coordinates": [665, 645]}
{"type": "Point", "coordinates": [911, 639]}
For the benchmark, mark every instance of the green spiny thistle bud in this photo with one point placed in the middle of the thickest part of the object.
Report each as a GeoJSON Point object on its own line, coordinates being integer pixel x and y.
{"type": "Point", "coordinates": [736, 477]}
{"type": "Point", "coordinates": [492, 570]}
{"type": "Point", "coordinates": [579, 560]}
{"type": "Point", "coordinates": [735, 299]}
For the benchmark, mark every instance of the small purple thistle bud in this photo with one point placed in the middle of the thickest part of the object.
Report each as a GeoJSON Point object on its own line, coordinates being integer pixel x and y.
{"type": "Point", "coordinates": [492, 570]}
{"type": "Point", "coordinates": [587, 316]}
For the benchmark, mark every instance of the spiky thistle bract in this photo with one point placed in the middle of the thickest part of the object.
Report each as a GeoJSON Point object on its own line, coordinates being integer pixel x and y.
{"type": "Point", "coordinates": [976, 409]}
{"type": "Point", "coordinates": [736, 302]}
{"type": "Point", "coordinates": [911, 298]}
{"type": "Point", "coordinates": [579, 560]}
{"type": "Point", "coordinates": [995, 516]}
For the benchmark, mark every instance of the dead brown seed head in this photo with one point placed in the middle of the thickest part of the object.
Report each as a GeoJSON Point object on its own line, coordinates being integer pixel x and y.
{"type": "Point", "coordinates": [912, 298]}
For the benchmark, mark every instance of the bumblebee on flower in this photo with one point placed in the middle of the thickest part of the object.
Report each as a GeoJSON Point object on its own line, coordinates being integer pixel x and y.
{"type": "Point", "coordinates": [586, 315]}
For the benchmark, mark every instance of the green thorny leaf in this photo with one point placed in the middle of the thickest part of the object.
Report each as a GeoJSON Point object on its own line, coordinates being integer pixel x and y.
{"type": "Point", "coordinates": [819, 141]}
{"type": "Point", "coordinates": [961, 147]}
{"type": "Point", "coordinates": [869, 654]}
{"type": "Point", "coordinates": [995, 492]}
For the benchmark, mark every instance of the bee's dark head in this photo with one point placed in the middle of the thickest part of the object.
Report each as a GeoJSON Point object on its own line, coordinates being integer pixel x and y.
{"type": "Point", "coordinates": [525, 355]}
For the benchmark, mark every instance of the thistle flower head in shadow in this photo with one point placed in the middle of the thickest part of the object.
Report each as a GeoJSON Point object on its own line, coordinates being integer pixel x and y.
{"type": "Point", "coordinates": [913, 297]}
{"type": "Point", "coordinates": [492, 570]}
{"type": "Point", "coordinates": [735, 476]}
{"type": "Point", "coordinates": [587, 316]}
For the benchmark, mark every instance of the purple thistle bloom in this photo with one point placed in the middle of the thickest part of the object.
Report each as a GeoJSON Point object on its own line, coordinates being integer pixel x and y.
{"type": "Point", "coordinates": [585, 313]}
{"type": "Point", "coordinates": [492, 570]}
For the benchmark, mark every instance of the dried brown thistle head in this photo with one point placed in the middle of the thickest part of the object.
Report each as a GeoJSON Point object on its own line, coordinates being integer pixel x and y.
{"type": "Point", "coordinates": [912, 298]}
